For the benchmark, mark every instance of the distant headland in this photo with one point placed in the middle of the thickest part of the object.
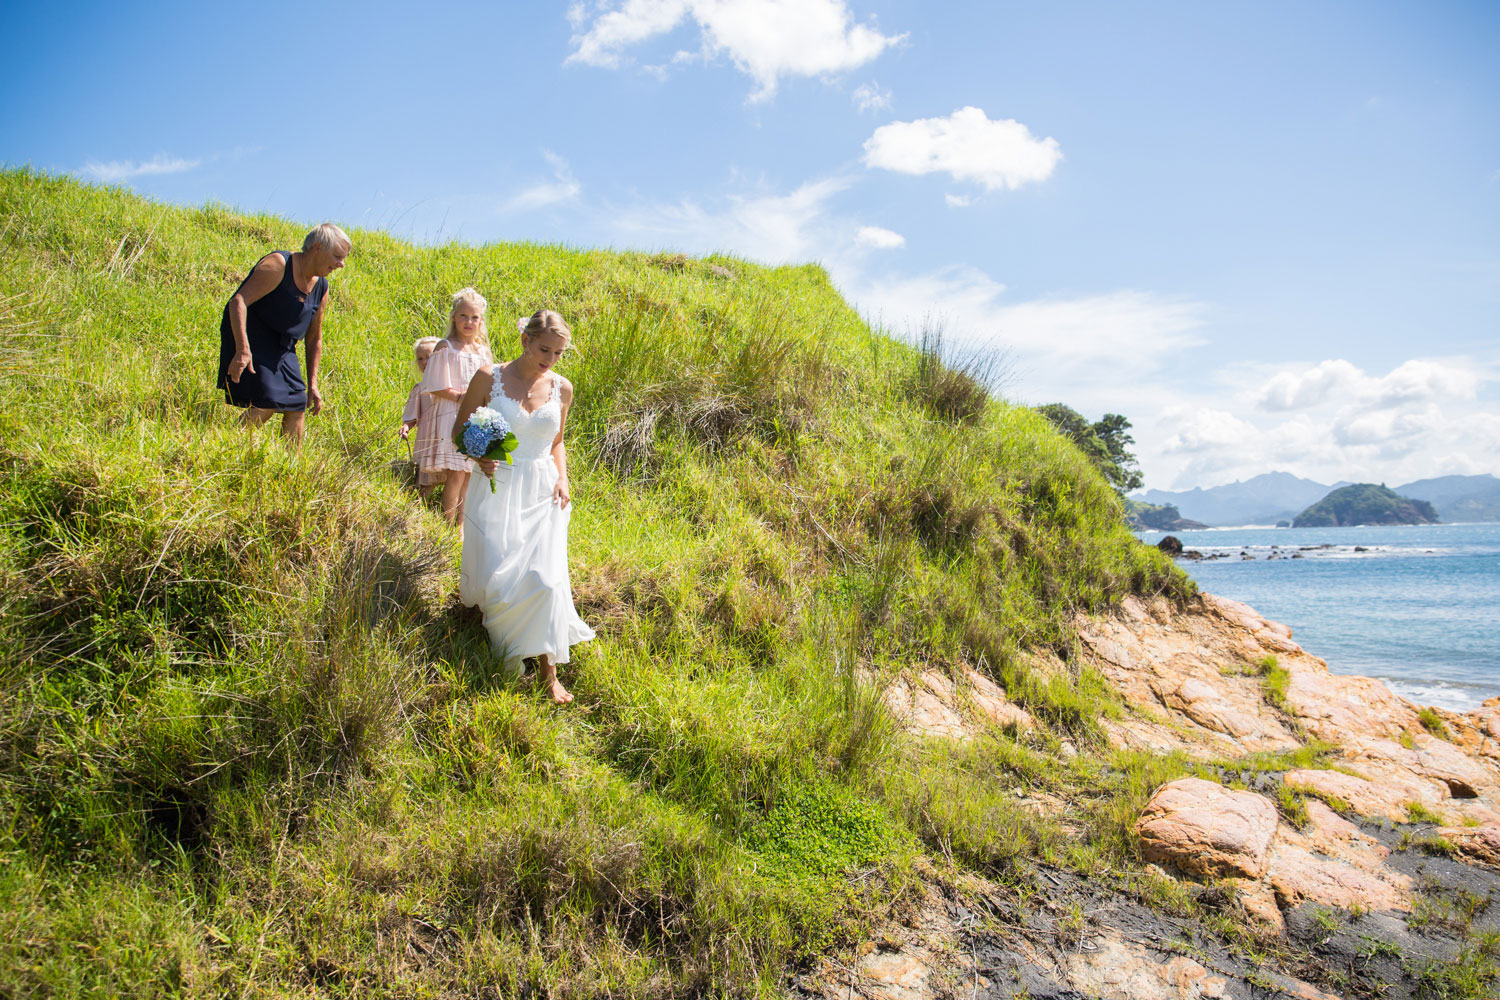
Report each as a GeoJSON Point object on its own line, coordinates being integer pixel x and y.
{"type": "Point", "coordinates": [1275, 497]}
{"type": "Point", "coordinates": [1365, 503]}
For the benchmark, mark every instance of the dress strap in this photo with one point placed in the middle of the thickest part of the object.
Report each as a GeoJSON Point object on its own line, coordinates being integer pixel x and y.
{"type": "Point", "coordinates": [555, 390]}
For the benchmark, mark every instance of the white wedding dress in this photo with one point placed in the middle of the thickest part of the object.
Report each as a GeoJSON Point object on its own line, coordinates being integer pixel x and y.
{"type": "Point", "coordinates": [515, 554]}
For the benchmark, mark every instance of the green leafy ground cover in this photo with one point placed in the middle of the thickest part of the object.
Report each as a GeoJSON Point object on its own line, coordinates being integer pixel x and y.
{"type": "Point", "coordinates": [250, 745]}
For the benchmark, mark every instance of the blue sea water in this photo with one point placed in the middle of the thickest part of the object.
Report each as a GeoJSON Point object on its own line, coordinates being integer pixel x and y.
{"type": "Point", "coordinates": [1416, 605]}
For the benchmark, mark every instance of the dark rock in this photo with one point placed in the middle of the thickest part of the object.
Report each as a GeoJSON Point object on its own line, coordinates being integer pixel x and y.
{"type": "Point", "coordinates": [1171, 545]}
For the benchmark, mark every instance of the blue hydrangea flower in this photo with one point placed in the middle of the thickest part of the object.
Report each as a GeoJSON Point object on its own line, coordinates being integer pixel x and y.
{"type": "Point", "coordinates": [484, 436]}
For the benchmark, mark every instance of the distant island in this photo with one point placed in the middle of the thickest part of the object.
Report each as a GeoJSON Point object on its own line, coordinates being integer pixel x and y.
{"type": "Point", "coordinates": [1158, 517]}
{"type": "Point", "coordinates": [1365, 503]}
{"type": "Point", "coordinates": [1275, 497]}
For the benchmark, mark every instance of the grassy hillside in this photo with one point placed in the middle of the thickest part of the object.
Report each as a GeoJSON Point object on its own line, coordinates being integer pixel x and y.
{"type": "Point", "coordinates": [250, 744]}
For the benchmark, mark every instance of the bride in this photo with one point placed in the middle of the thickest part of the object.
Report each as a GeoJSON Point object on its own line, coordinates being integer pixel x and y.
{"type": "Point", "coordinates": [515, 543]}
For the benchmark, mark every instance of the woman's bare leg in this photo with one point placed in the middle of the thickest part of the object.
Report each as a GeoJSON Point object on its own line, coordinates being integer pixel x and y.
{"type": "Point", "coordinates": [255, 416]}
{"type": "Point", "coordinates": [292, 422]}
{"type": "Point", "coordinates": [549, 680]}
{"type": "Point", "coordinates": [454, 486]}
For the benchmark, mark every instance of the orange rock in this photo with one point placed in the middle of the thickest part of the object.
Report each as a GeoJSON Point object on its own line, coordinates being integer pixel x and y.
{"type": "Point", "coordinates": [991, 701]}
{"type": "Point", "coordinates": [1480, 843]}
{"type": "Point", "coordinates": [1297, 874]}
{"type": "Point", "coordinates": [1204, 704]}
{"type": "Point", "coordinates": [921, 711]}
{"type": "Point", "coordinates": [1385, 799]}
{"type": "Point", "coordinates": [1339, 708]}
{"type": "Point", "coordinates": [1121, 970]}
{"type": "Point", "coordinates": [1336, 837]}
{"type": "Point", "coordinates": [1432, 758]}
{"type": "Point", "coordinates": [1258, 900]}
{"type": "Point", "coordinates": [1207, 829]}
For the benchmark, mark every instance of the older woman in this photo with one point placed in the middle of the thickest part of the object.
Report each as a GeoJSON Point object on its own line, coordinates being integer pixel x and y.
{"type": "Point", "coordinates": [280, 303]}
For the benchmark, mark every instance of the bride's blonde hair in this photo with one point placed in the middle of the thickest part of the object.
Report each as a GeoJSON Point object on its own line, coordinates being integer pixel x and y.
{"type": "Point", "coordinates": [543, 321]}
{"type": "Point", "coordinates": [472, 297]}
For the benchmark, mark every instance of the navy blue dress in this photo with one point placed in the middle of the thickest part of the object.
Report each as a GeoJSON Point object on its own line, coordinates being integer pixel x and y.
{"type": "Point", "coordinates": [273, 325]}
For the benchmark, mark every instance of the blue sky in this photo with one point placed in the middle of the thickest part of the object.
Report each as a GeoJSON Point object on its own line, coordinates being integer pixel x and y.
{"type": "Point", "coordinates": [1268, 233]}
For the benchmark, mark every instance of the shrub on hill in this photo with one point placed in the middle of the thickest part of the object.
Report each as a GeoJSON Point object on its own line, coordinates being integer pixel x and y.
{"type": "Point", "coordinates": [250, 744]}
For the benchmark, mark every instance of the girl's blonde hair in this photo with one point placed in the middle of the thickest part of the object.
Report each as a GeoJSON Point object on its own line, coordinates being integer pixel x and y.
{"type": "Point", "coordinates": [473, 298]}
{"type": "Point", "coordinates": [428, 342]}
{"type": "Point", "coordinates": [543, 321]}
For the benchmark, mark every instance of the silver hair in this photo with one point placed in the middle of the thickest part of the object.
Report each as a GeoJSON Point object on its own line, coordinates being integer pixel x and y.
{"type": "Point", "coordinates": [326, 236]}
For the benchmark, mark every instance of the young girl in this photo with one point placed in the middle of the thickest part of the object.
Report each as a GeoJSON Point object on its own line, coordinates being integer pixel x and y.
{"type": "Point", "coordinates": [418, 404]}
{"type": "Point", "coordinates": [515, 557]}
{"type": "Point", "coordinates": [454, 361]}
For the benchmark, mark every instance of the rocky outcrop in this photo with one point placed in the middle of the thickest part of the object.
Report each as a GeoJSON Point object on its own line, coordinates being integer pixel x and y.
{"type": "Point", "coordinates": [1386, 813]}
{"type": "Point", "coordinates": [1206, 829]}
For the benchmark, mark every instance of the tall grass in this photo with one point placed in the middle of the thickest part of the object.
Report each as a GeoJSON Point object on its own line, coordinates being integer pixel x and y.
{"type": "Point", "coordinates": [243, 717]}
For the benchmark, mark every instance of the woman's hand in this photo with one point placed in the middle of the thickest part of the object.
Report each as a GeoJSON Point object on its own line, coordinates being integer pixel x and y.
{"type": "Point", "coordinates": [405, 431]}
{"type": "Point", "coordinates": [487, 466]}
{"type": "Point", "coordinates": [560, 494]}
{"type": "Point", "coordinates": [241, 362]}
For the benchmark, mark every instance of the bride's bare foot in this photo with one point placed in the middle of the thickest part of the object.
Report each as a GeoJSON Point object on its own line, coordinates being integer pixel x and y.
{"type": "Point", "coordinates": [559, 694]}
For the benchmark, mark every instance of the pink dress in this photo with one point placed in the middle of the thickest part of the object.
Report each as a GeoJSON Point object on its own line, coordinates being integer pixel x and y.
{"type": "Point", "coordinates": [418, 407]}
{"type": "Point", "coordinates": [448, 368]}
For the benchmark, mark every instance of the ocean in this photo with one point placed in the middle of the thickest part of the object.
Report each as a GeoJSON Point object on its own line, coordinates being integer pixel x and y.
{"type": "Point", "coordinates": [1417, 606]}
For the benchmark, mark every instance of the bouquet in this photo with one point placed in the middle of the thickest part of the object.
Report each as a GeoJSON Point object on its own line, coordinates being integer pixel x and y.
{"type": "Point", "coordinates": [486, 434]}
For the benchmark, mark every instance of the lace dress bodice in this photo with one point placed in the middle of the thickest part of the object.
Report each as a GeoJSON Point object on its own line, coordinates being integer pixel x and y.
{"type": "Point", "coordinates": [535, 431]}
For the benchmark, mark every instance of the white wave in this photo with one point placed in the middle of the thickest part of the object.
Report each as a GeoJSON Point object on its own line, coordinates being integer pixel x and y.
{"type": "Point", "coordinates": [1441, 694]}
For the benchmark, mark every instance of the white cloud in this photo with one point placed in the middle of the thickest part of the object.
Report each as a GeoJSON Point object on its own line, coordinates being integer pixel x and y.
{"type": "Point", "coordinates": [1206, 429]}
{"type": "Point", "coordinates": [770, 228]}
{"type": "Point", "coordinates": [871, 97]}
{"type": "Point", "coordinates": [1419, 380]}
{"type": "Point", "coordinates": [563, 187]}
{"type": "Point", "coordinates": [878, 238]}
{"type": "Point", "coordinates": [765, 39]}
{"type": "Point", "coordinates": [1299, 390]}
{"type": "Point", "coordinates": [1391, 430]}
{"type": "Point", "coordinates": [966, 145]}
{"type": "Point", "coordinates": [1330, 421]}
{"type": "Point", "coordinates": [1339, 381]}
{"type": "Point", "coordinates": [1060, 346]}
{"type": "Point", "coordinates": [114, 171]}
{"type": "Point", "coordinates": [614, 30]}
{"type": "Point", "coordinates": [958, 200]}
